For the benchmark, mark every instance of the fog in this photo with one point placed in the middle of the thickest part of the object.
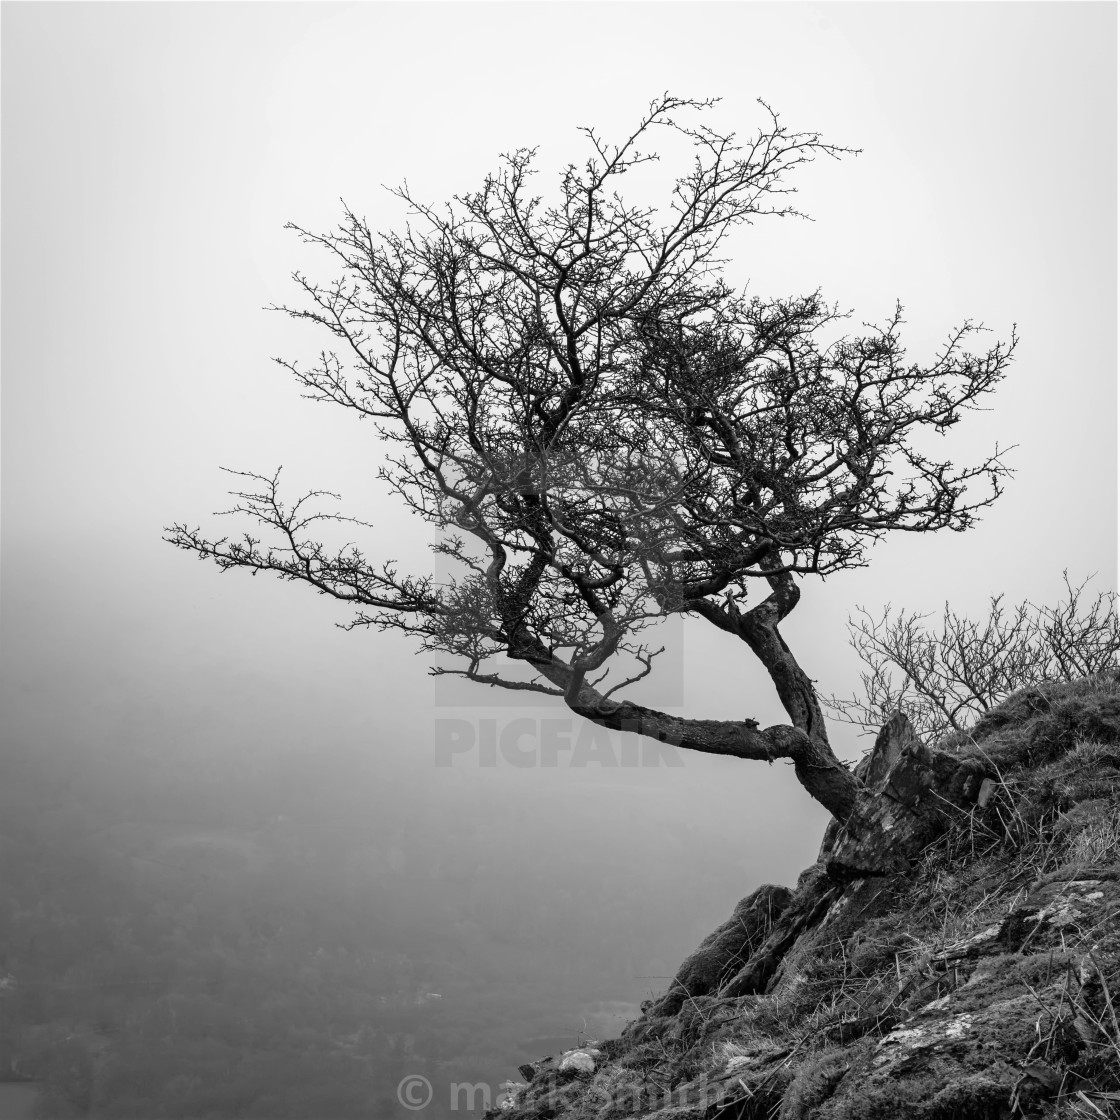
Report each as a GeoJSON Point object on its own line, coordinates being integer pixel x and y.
{"type": "Point", "coordinates": [223, 727]}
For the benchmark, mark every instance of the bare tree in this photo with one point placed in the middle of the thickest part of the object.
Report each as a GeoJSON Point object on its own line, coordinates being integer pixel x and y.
{"type": "Point", "coordinates": [607, 433]}
{"type": "Point", "coordinates": [945, 679]}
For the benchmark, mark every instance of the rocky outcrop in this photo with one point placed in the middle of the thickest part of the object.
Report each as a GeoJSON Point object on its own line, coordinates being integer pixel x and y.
{"type": "Point", "coordinates": [956, 956]}
{"type": "Point", "coordinates": [911, 795]}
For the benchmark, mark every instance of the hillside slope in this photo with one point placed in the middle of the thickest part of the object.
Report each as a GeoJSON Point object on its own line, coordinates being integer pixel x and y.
{"type": "Point", "coordinates": [979, 978]}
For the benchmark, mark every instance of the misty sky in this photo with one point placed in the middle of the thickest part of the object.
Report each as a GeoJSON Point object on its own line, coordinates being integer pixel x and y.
{"type": "Point", "coordinates": [151, 156]}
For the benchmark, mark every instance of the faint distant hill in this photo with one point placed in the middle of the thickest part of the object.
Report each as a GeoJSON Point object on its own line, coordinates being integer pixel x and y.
{"type": "Point", "coordinates": [222, 934]}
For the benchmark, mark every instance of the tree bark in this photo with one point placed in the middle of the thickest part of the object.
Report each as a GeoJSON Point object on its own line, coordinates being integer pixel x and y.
{"type": "Point", "coordinates": [758, 627]}
{"type": "Point", "coordinates": [818, 770]}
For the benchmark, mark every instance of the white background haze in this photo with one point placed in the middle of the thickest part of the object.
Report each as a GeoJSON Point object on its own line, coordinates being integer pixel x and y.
{"type": "Point", "coordinates": [152, 154]}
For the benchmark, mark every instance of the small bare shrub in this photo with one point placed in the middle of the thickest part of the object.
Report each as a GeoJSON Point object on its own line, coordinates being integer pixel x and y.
{"type": "Point", "coordinates": [945, 679]}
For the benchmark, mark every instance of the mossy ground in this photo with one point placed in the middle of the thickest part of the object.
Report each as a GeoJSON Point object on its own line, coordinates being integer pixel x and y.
{"type": "Point", "coordinates": [984, 982]}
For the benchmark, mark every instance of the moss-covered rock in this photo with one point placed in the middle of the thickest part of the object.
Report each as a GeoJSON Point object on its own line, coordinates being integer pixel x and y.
{"type": "Point", "coordinates": [723, 952]}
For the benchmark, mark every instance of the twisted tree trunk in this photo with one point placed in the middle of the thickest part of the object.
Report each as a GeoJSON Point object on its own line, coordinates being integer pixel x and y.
{"type": "Point", "coordinates": [818, 769]}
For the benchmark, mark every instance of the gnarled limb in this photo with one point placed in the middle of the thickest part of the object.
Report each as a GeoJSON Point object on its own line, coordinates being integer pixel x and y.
{"type": "Point", "coordinates": [824, 777]}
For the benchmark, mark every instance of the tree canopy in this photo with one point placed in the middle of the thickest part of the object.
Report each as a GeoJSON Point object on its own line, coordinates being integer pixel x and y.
{"type": "Point", "coordinates": [605, 432]}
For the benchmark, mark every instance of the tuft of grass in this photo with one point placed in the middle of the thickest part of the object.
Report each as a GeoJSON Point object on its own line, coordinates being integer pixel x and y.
{"type": "Point", "coordinates": [1096, 845]}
